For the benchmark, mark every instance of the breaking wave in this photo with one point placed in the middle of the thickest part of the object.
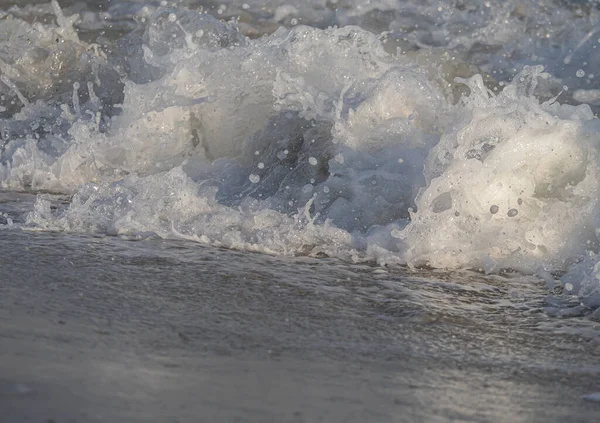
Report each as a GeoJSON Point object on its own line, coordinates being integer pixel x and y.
{"type": "Point", "coordinates": [405, 133]}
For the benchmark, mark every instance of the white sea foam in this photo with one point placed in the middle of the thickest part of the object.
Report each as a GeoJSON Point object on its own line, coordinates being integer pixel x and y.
{"type": "Point", "coordinates": [311, 141]}
{"type": "Point", "coordinates": [514, 185]}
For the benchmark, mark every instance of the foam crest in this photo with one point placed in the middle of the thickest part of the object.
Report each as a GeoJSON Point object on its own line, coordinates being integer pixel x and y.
{"type": "Point", "coordinates": [171, 205]}
{"type": "Point", "coordinates": [511, 186]}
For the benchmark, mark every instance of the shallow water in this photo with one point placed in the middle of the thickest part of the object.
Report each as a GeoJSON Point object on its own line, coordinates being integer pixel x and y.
{"type": "Point", "coordinates": [155, 330]}
{"type": "Point", "coordinates": [341, 210]}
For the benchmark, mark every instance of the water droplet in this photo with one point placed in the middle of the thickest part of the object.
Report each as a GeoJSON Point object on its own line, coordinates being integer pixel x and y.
{"type": "Point", "coordinates": [580, 73]}
{"type": "Point", "coordinates": [326, 190]}
{"type": "Point", "coordinates": [307, 188]}
{"type": "Point", "coordinates": [172, 17]}
{"type": "Point", "coordinates": [261, 165]}
{"type": "Point", "coordinates": [199, 33]}
{"type": "Point", "coordinates": [312, 161]}
{"type": "Point", "coordinates": [512, 212]}
{"type": "Point", "coordinates": [254, 178]}
{"type": "Point", "coordinates": [519, 201]}
{"type": "Point", "coordinates": [494, 209]}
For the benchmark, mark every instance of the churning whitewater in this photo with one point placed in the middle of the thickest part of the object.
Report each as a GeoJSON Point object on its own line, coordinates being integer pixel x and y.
{"type": "Point", "coordinates": [447, 134]}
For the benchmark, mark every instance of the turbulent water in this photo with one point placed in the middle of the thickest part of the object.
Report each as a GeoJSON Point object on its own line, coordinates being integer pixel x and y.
{"type": "Point", "coordinates": [456, 134]}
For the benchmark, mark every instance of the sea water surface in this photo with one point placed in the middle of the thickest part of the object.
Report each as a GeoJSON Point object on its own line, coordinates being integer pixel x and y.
{"type": "Point", "coordinates": [300, 211]}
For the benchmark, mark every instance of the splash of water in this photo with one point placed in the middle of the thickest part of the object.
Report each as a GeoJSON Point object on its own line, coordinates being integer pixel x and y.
{"type": "Point", "coordinates": [312, 141]}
